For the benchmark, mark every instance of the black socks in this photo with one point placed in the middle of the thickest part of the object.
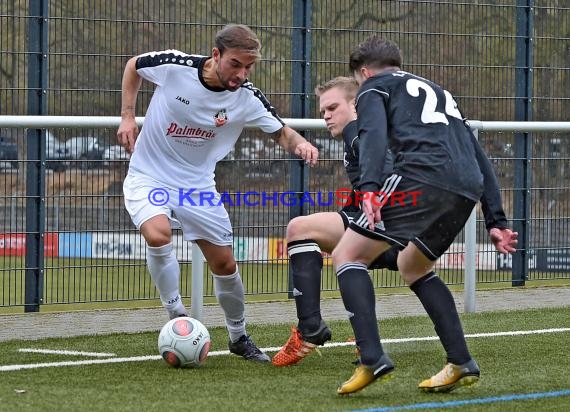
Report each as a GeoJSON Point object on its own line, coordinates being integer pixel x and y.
{"type": "Point", "coordinates": [357, 293]}
{"type": "Point", "coordinates": [440, 306]}
{"type": "Point", "coordinates": [306, 263]}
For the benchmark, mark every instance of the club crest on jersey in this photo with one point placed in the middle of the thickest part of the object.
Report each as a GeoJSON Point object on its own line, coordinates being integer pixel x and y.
{"type": "Point", "coordinates": [220, 118]}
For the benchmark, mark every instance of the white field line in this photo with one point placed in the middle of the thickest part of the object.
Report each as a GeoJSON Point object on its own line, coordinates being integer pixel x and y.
{"type": "Point", "coordinates": [67, 352]}
{"type": "Point", "coordinates": [7, 368]}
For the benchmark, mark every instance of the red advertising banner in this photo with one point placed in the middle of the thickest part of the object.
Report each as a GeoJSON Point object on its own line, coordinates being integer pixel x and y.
{"type": "Point", "coordinates": [14, 244]}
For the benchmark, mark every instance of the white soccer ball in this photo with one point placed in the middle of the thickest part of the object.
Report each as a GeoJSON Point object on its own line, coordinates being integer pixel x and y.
{"type": "Point", "coordinates": [184, 342]}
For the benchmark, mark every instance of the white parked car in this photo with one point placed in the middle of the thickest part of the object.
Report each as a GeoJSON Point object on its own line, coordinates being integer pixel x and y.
{"type": "Point", "coordinates": [56, 152]}
{"type": "Point", "coordinates": [78, 147]}
{"type": "Point", "coordinates": [84, 152]}
{"type": "Point", "coordinates": [115, 155]}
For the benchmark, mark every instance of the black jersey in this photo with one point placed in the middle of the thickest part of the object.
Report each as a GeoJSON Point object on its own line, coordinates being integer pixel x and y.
{"type": "Point", "coordinates": [351, 154]}
{"type": "Point", "coordinates": [491, 202]}
{"type": "Point", "coordinates": [420, 123]}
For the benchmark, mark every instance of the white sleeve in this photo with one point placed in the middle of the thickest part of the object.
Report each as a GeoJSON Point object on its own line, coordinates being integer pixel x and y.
{"type": "Point", "coordinates": [263, 114]}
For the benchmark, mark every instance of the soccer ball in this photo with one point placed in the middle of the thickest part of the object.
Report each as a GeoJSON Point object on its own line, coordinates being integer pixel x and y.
{"type": "Point", "coordinates": [184, 342]}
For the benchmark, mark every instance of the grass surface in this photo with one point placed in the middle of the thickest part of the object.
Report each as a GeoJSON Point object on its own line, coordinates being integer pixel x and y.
{"type": "Point", "coordinates": [511, 365]}
{"type": "Point", "coordinates": [85, 284]}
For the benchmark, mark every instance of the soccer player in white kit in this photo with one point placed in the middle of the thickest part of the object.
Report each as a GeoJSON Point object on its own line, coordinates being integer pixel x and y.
{"type": "Point", "coordinates": [197, 112]}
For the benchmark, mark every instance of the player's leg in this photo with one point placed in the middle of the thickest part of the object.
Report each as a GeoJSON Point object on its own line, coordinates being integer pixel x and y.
{"type": "Point", "coordinates": [306, 237]}
{"type": "Point", "coordinates": [154, 224]}
{"type": "Point", "coordinates": [351, 258]}
{"type": "Point", "coordinates": [444, 214]}
{"type": "Point", "coordinates": [209, 226]}
{"type": "Point", "coordinates": [461, 369]}
{"type": "Point", "coordinates": [162, 263]}
{"type": "Point", "coordinates": [229, 291]}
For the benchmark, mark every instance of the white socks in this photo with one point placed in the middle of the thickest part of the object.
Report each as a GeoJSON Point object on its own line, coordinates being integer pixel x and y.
{"type": "Point", "coordinates": [230, 295]}
{"type": "Point", "coordinates": [165, 273]}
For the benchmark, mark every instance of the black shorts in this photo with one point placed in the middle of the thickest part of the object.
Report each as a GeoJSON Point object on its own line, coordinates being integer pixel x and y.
{"type": "Point", "coordinates": [347, 213]}
{"type": "Point", "coordinates": [387, 260]}
{"type": "Point", "coordinates": [415, 212]}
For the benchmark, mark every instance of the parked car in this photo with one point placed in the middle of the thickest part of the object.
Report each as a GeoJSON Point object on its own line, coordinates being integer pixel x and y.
{"type": "Point", "coordinates": [263, 158]}
{"type": "Point", "coordinates": [84, 152]}
{"type": "Point", "coordinates": [78, 146]}
{"type": "Point", "coordinates": [76, 151]}
{"type": "Point", "coordinates": [8, 154]}
{"type": "Point", "coordinates": [114, 156]}
{"type": "Point", "coordinates": [93, 158]}
{"type": "Point", "coordinates": [56, 153]}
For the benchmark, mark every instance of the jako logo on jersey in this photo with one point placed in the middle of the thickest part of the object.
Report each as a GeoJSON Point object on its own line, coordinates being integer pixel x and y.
{"type": "Point", "coordinates": [183, 100]}
{"type": "Point", "coordinates": [175, 130]}
{"type": "Point", "coordinates": [220, 118]}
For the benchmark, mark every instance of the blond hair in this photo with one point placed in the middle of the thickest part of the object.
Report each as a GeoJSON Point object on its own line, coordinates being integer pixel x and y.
{"type": "Point", "coordinates": [347, 84]}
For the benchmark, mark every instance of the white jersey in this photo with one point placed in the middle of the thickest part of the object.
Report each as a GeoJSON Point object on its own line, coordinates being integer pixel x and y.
{"type": "Point", "coordinates": [189, 126]}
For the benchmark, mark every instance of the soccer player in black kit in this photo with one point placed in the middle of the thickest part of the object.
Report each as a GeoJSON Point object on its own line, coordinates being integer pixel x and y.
{"type": "Point", "coordinates": [436, 157]}
{"type": "Point", "coordinates": [308, 235]}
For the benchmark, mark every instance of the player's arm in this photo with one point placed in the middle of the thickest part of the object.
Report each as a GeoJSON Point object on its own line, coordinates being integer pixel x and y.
{"type": "Point", "coordinates": [131, 83]}
{"type": "Point", "coordinates": [294, 143]}
{"type": "Point", "coordinates": [504, 239]}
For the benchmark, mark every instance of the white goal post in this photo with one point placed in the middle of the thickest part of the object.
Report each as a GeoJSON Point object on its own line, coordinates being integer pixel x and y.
{"type": "Point", "coordinates": [47, 122]}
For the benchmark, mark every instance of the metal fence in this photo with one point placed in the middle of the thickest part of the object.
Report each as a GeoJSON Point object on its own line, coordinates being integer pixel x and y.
{"type": "Point", "coordinates": [506, 61]}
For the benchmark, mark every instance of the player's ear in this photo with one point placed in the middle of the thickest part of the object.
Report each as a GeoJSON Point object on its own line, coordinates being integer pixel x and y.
{"type": "Point", "coordinates": [216, 54]}
{"type": "Point", "coordinates": [352, 103]}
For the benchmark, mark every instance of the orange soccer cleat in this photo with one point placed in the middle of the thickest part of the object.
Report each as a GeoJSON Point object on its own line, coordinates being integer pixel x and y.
{"type": "Point", "coordinates": [298, 347]}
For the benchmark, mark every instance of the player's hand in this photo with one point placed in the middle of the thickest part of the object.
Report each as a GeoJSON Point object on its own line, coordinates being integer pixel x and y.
{"type": "Point", "coordinates": [307, 152]}
{"type": "Point", "coordinates": [505, 240]}
{"type": "Point", "coordinates": [371, 209]}
{"type": "Point", "coordinates": [127, 133]}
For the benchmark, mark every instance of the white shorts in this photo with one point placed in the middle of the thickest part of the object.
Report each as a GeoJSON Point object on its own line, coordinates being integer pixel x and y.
{"type": "Point", "coordinates": [200, 214]}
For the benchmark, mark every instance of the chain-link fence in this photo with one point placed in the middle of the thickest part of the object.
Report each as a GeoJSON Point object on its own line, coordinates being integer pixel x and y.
{"type": "Point", "coordinates": [506, 61]}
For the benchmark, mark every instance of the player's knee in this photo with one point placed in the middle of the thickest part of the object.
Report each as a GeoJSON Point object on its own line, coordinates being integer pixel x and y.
{"type": "Point", "coordinates": [297, 229]}
{"type": "Point", "coordinates": [223, 267]}
{"type": "Point", "coordinates": [337, 258]}
{"type": "Point", "coordinates": [408, 278]}
{"type": "Point", "coordinates": [157, 232]}
{"type": "Point", "coordinates": [410, 271]}
{"type": "Point", "coordinates": [157, 239]}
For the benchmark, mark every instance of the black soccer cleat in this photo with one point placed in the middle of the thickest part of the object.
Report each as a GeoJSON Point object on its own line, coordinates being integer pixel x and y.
{"type": "Point", "coordinates": [247, 349]}
{"type": "Point", "coordinates": [320, 336]}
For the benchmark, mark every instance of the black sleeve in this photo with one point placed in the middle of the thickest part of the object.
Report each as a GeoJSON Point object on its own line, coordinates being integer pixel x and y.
{"type": "Point", "coordinates": [373, 135]}
{"type": "Point", "coordinates": [168, 57]}
{"type": "Point", "coordinates": [350, 138]}
{"type": "Point", "coordinates": [351, 141]}
{"type": "Point", "coordinates": [491, 202]}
